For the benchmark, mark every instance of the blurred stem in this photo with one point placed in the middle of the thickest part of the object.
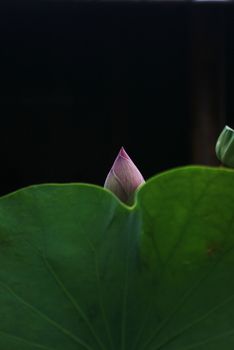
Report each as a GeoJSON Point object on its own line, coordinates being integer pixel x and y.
{"type": "Point", "coordinates": [207, 79]}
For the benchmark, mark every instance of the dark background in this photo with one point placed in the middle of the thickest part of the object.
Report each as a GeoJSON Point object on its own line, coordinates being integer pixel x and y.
{"type": "Point", "coordinates": [80, 79]}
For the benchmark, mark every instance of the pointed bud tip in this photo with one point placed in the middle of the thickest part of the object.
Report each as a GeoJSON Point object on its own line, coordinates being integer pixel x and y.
{"type": "Point", "coordinates": [123, 153]}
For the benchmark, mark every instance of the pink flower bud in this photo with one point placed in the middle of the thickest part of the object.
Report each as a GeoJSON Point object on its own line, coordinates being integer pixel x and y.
{"type": "Point", "coordinates": [124, 177]}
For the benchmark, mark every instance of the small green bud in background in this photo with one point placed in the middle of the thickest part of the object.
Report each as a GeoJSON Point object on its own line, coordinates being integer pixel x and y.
{"type": "Point", "coordinates": [225, 147]}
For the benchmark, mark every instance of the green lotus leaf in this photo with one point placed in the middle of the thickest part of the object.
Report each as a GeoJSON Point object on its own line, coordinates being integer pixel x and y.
{"type": "Point", "coordinates": [80, 270]}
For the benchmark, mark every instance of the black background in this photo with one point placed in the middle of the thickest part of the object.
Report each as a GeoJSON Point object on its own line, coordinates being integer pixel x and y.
{"type": "Point", "coordinates": [80, 79]}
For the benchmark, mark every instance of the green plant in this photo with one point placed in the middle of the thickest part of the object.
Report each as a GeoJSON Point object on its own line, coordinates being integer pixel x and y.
{"type": "Point", "coordinates": [81, 270]}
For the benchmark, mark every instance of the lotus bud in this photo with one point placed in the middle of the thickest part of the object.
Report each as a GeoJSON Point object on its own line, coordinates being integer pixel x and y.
{"type": "Point", "coordinates": [225, 147]}
{"type": "Point", "coordinates": [124, 178]}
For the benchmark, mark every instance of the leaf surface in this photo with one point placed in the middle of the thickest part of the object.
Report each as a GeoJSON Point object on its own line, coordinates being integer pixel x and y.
{"type": "Point", "coordinates": [79, 270]}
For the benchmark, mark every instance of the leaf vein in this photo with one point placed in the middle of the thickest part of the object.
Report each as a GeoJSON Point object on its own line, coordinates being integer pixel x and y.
{"type": "Point", "coordinates": [45, 317]}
